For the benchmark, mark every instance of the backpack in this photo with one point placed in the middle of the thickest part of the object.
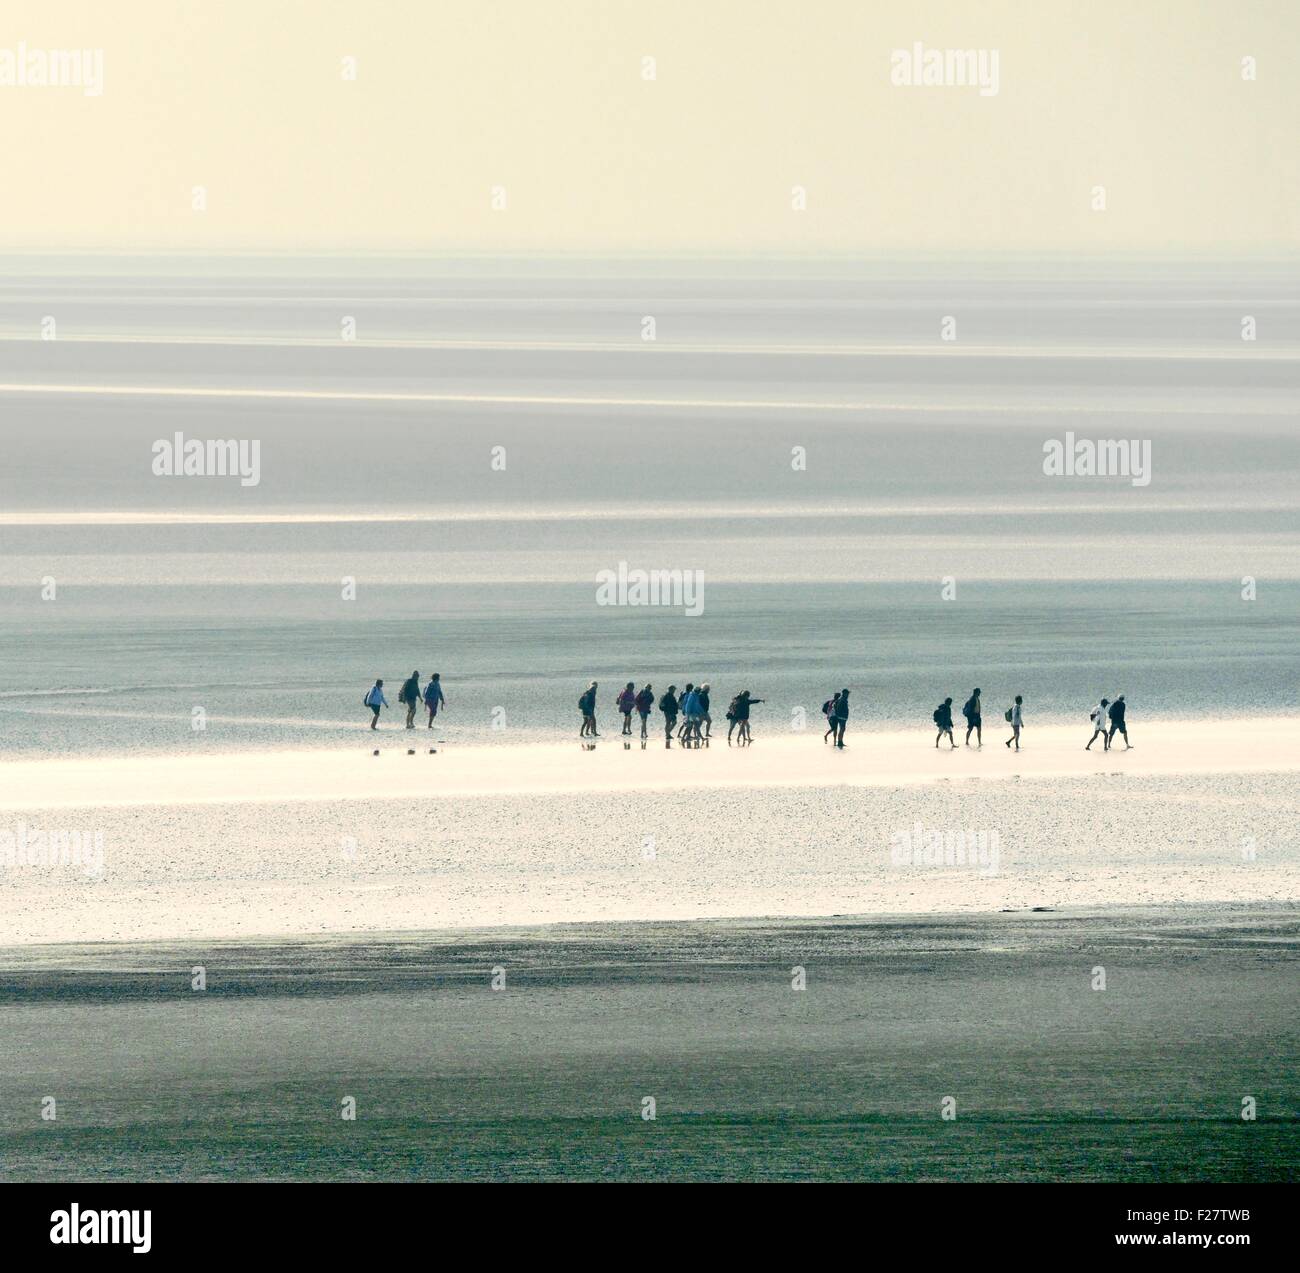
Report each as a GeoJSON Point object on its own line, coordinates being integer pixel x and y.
{"type": "Point", "coordinates": [938, 715]}
{"type": "Point", "coordinates": [731, 708]}
{"type": "Point", "coordinates": [664, 707]}
{"type": "Point", "coordinates": [1095, 715]}
{"type": "Point", "coordinates": [968, 708]}
{"type": "Point", "coordinates": [365, 701]}
{"type": "Point", "coordinates": [827, 705]}
{"type": "Point", "coordinates": [1006, 716]}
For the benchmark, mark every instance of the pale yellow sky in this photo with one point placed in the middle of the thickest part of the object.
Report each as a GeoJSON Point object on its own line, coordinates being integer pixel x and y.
{"type": "Point", "coordinates": [752, 97]}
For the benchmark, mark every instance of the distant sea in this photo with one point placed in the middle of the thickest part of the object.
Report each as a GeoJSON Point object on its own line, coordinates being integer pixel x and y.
{"type": "Point", "coordinates": [865, 501]}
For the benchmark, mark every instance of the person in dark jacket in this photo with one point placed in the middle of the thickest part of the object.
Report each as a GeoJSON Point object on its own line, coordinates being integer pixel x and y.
{"type": "Point", "coordinates": [409, 695]}
{"type": "Point", "coordinates": [434, 698]}
{"type": "Point", "coordinates": [587, 706]}
{"type": "Point", "coordinates": [1117, 723]}
{"type": "Point", "coordinates": [670, 707]}
{"type": "Point", "coordinates": [841, 716]}
{"type": "Point", "coordinates": [743, 703]}
{"type": "Point", "coordinates": [943, 719]}
{"type": "Point", "coordinates": [705, 719]}
{"type": "Point", "coordinates": [645, 702]}
{"type": "Point", "coordinates": [974, 721]}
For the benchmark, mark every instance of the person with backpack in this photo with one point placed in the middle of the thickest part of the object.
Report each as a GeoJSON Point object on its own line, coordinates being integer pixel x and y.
{"type": "Point", "coordinates": [732, 719]}
{"type": "Point", "coordinates": [645, 702]}
{"type": "Point", "coordinates": [943, 719]}
{"type": "Point", "coordinates": [743, 703]}
{"type": "Point", "coordinates": [841, 717]}
{"type": "Point", "coordinates": [434, 697]}
{"type": "Point", "coordinates": [587, 706]}
{"type": "Point", "coordinates": [374, 700]}
{"type": "Point", "coordinates": [1100, 725]}
{"type": "Point", "coordinates": [1117, 724]}
{"type": "Point", "coordinates": [1013, 719]}
{"type": "Point", "coordinates": [409, 695]}
{"type": "Point", "coordinates": [670, 707]}
{"type": "Point", "coordinates": [626, 704]}
{"type": "Point", "coordinates": [828, 710]}
{"type": "Point", "coordinates": [971, 711]}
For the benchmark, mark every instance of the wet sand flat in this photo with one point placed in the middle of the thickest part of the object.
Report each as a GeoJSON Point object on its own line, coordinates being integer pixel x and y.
{"type": "Point", "coordinates": [547, 1077]}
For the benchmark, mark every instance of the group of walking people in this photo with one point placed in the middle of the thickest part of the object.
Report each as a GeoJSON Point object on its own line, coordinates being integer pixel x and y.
{"type": "Point", "coordinates": [973, 710]}
{"type": "Point", "coordinates": [686, 716]}
{"type": "Point", "coordinates": [1107, 719]}
{"type": "Point", "coordinates": [409, 696]}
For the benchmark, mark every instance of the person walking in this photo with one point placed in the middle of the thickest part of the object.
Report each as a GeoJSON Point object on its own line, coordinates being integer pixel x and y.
{"type": "Point", "coordinates": [434, 697]}
{"type": "Point", "coordinates": [691, 710]}
{"type": "Point", "coordinates": [1117, 724]}
{"type": "Point", "coordinates": [733, 720]}
{"type": "Point", "coordinates": [828, 711]}
{"type": "Point", "coordinates": [744, 701]}
{"type": "Point", "coordinates": [409, 695]}
{"type": "Point", "coordinates": [1100, 725]}
{"type": "Point", "coordinates": [627, 704]}
{"type": "Point", "coordinates": [705, 719]}
{"type": "Point", "coordinates": [943, 719]}
{"type": "Point", "coordinates": [645, 702]}
{"type": "Point", "coordinates": [587, 706]}
{"type": "Point", "coordinates": [1013, 718]}
{"type": "Point", "coordinates": [374, 700]}
{"type": "Point", "coordinates": [974, 721]}
{"type": "Point", "coordinates": [670, 707]}
{"type": "Point", "coordinates": [841, 716]}
{"type": "Point", "coordinates": [686, 724]}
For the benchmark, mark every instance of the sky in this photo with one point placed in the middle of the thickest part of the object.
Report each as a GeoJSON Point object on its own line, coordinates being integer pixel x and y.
{"type": "Point", "coordinates": [548, 105]}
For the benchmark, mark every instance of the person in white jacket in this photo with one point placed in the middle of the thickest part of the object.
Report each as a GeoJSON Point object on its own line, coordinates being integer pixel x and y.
{"type": "Point", "coordinates": [375, 700]}
{"type": "Point", "coordinates": [1100, 724]}
{"type": "Point", "coordinates": [1015, 723]}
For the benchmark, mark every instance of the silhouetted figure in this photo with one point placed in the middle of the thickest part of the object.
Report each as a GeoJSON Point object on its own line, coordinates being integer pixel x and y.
{"type": "Point", "coordinates": [1117, 723]}
{"type": "Point", "coordinates": [434, 697]}
{"type": "Point", "coordinates": [626, 704]}
{"type": "Point", "coordinates": [943, 719]}
{"type": "Point", "coordinates": [828, 710]}
{"type": "Point", "coordinates": [732, 719]}
{"type": "Point", "coordinates": [974, 721]}
{"type": "Point", "coordinates": [841, 717]}
{"type": "Point", "coordinates": [409, 694]}
{"type": "Point", "coordinates": [670, 707]}
{"type": "Point", "coordinates": [743, 703]}
{"type": "Point", "coordinates": [587, 706]}
{"type": "Point", "coordinates": [645, 702]}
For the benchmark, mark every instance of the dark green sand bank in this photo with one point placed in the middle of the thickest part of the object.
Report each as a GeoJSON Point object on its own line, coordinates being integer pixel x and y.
{"type": "Point", "coordinates": [752, 1080]}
